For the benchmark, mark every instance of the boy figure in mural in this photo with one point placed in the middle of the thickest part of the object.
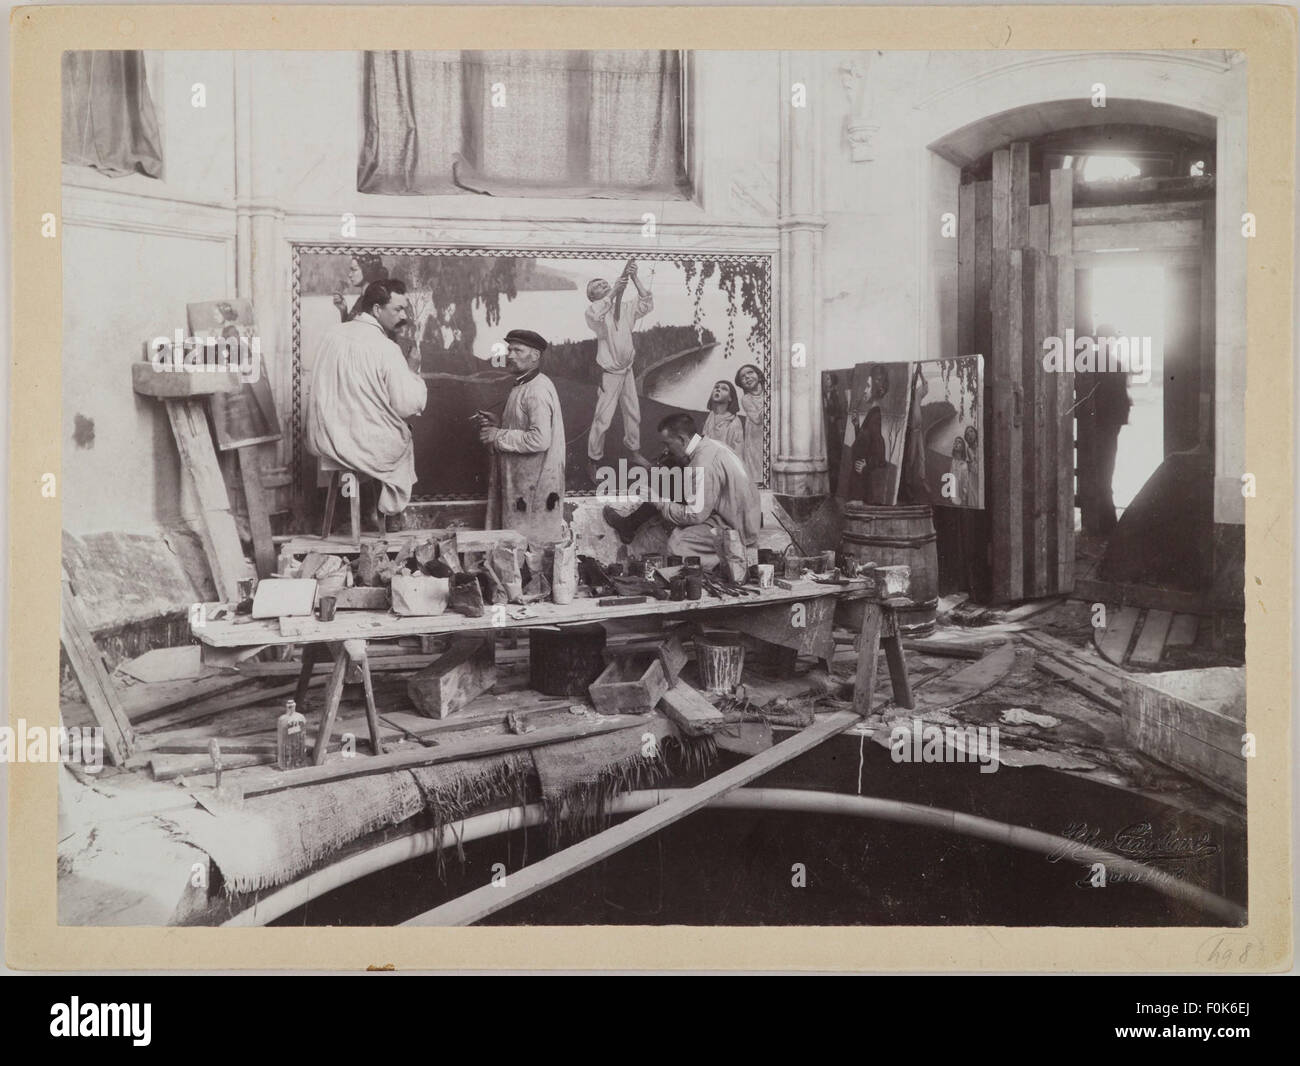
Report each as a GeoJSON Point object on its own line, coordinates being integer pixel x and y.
{"type": "Point", "coordinates": [612, 323]}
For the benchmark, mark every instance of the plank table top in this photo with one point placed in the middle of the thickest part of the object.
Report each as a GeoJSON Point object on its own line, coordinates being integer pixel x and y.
{"type": "Point", "coordinates": [384, 625]}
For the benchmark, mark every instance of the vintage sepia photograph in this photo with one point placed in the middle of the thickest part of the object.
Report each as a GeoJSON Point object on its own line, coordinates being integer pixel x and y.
{"type": "Point", "coordinates": [653, 488]}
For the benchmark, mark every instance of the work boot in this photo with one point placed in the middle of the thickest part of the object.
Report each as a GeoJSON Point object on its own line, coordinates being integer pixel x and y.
{"type": "Point", "coordinates": [627, 525]}
{"type": "Point", "coordinates": [637, 459]}
{"type": "Point", "coordinates": [466, 596]}
{"type": "Point", "coordinates": [593, 470]}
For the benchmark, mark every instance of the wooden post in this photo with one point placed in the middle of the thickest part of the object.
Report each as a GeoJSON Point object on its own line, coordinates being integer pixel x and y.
{"type": "Point", "coordinates": [868, 652]}
{"type": "Point", "coordinates": [119, 737]}
{"type": "Point", "coordinates": [259, 517]}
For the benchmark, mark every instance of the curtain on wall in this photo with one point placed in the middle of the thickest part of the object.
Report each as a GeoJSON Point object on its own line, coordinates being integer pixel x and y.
{"type": "Point", "coordinates": [523, 123]}
{"type": "Point", "coordinates": [109, 121]}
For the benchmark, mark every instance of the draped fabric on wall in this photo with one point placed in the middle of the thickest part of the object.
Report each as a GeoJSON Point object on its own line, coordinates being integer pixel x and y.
{"type": "Point", "coordinates": [109, 121]}
{"type": "Point", "coordinates": [523, 123]}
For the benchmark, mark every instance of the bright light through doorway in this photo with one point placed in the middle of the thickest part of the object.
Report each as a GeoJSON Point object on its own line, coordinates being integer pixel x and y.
{"type": "Point", "coordinates": [1109, 168]}
{"type": "Point", "coordinates": [1132, 299]}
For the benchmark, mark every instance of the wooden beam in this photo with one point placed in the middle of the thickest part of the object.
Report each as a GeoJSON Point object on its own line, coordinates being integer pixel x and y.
{"type": "Point", "coordinates": [1018, 213]}
{"type": "Point", "coordinates": [259, 515]}
{"type": "Point", "coordinates": [1063, 416]}
{"type": "Point", "coordinates": [1080, 682]}
{"type": "Point", "coordinates": [1125, 213]}
{"type": "Point", "coordinates": [180, 384]}
{"type": "Point", "coordinates": [1001, 200]}
{"type": "Point", "coordinates": [966, 270]}
{"type": "Point", "coordinates": [88, 665]}
{"type": "Point", "coordinates": [343, 768]}
{"type": "Point", "coordinates": [220, 538]}
{"type": "Point", "coordinates": [482, 902]}
{"type": "Point", "coordinates": [1062, 218]}
{"type": "Point", "coordinates": [1151, 641]}
{"type": "Point", "coordinates": [1005, 372]}
{"type": "Point", "coordinates": [1114, 640]}
{"type": "Point", "coordinates": [1092, 591]}
{"type": "Point", "coordinates": [1148, 236]}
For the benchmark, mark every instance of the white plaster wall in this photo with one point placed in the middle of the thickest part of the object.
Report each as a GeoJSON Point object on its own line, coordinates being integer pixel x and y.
{"type": "Point", "coordinates": [135, 251]}
{"type": "Point", "coordinates": [890, 278]}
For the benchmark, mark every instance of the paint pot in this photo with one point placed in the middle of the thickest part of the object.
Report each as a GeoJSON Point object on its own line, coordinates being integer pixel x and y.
{"type": "Point", "coordinates": [650, 564]}
{"type": "Point", "coordinates": [674, 560]}
{"type": "Point", "coordinates": [677, 587]}
{"type": "Point", "coordinates": [720, 659]}
{"type": "Point", "coordinates": [694, 582]}
{"type": "Point", "coordinates": [325, 608]}
{"type": "Point", "coordinates": [766, 575]}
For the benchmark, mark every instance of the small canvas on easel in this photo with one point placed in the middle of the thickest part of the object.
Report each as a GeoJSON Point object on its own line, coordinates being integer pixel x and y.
{"type": "Point", "coordinates": [875, 430]}
{"type": "Point", "coordinates": [945, 457]}
{"type": "Point", "coordinates": [247, 416]}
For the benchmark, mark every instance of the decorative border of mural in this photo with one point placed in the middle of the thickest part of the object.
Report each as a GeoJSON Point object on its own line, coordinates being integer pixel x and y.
{"type": "Point", "coordinates": [762, 332]}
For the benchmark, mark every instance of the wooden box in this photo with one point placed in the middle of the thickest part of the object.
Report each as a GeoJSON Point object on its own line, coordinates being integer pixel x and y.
{"type": "Point", "coordinates": [630, 684]}
{"type": "Point", "coordinates": [669, 649]}
{"type": "Point", "coordinates": [1192, 720]}
{"type": "Point", "coordinates": [465, 671]}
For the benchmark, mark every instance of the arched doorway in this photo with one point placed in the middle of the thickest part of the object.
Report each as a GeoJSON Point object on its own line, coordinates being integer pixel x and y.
{"type": "Point", "coordinates": [1132, 204]}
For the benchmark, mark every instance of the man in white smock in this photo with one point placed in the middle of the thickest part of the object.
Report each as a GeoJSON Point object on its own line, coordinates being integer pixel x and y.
{"type": "Point", "coordinates": [362, 393]}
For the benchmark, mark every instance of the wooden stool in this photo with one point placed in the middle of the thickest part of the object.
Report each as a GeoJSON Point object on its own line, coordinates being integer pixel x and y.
{"type": "Point", "coordinates": [354, 503]}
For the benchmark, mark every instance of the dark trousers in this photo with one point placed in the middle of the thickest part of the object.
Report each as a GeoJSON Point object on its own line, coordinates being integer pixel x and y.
{"type": "Point", "coordinates": [1105, 447]}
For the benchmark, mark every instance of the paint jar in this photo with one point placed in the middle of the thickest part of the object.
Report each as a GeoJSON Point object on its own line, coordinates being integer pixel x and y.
{"type": "Point", "coordinates": [694, 577]}
{"type": "Point", "coordinates": [650, 564]}
{"type": "Point", "coordinates": [674, 560]}
{"type": "Point", "coordinates": [677, 587]}
{"type": "Point", "coordinates": [325, 608]}
{"type": "Point", "coordinates": [766, 575]}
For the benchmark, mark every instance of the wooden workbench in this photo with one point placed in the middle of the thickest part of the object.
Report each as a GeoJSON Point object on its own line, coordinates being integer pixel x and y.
{"type": "Point", "coordinates": [801, 618]}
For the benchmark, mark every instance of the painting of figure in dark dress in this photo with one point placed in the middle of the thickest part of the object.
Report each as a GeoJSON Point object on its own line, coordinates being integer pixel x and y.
{"type": "Point", "coordinates": [871, 456]}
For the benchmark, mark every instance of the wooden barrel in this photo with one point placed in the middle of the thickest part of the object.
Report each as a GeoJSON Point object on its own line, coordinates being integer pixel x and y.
{"type": "Point", "coordinates": [720, 659]}
{"type": "Point", "coordinates": [898, 536]}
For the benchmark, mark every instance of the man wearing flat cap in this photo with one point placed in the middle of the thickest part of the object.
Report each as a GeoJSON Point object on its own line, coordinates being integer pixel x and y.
{"type": "Point", "coordinates": [526, 480]}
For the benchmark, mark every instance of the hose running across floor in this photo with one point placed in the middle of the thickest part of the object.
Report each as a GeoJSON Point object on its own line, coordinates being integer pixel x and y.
{"type": "Point", "coordinates": [415, 845]}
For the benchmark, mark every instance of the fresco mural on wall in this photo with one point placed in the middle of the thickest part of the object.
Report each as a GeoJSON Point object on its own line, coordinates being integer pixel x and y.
{"type": "Point", "coordinates": [682, 324]}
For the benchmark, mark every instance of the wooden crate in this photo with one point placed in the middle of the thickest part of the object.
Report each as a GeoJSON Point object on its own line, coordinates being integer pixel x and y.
{"type": "Point", "coordinates": [669, 649]}
{"type": "Point", "coordinates": [1192, 720]}
{"type": "Point", "coordinates": [630, 684]}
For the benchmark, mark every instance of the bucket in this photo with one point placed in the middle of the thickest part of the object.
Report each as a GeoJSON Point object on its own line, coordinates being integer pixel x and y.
{"type": "Point", "coordinates": [898, 536]}
{"type": "Point", "coordinates": [720, 659]}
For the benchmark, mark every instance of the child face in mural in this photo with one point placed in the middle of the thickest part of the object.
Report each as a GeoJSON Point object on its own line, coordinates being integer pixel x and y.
{"type": "Point", "coordinates": [959, 449]}
{"type": "Point", "coordinates": [972, 438]}
{"type": "Point", "coordinates": [748, 379]}
{"type": "Point", "coordinates": [723, 397]}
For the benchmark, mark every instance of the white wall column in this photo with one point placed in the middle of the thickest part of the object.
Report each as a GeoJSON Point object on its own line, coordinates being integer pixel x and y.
{"type": "Point", "coordinates": [799, 452]}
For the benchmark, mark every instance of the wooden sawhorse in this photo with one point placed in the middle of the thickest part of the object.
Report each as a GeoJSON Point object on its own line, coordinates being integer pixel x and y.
{"type": "Point", "coordinates": [345, 653]}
